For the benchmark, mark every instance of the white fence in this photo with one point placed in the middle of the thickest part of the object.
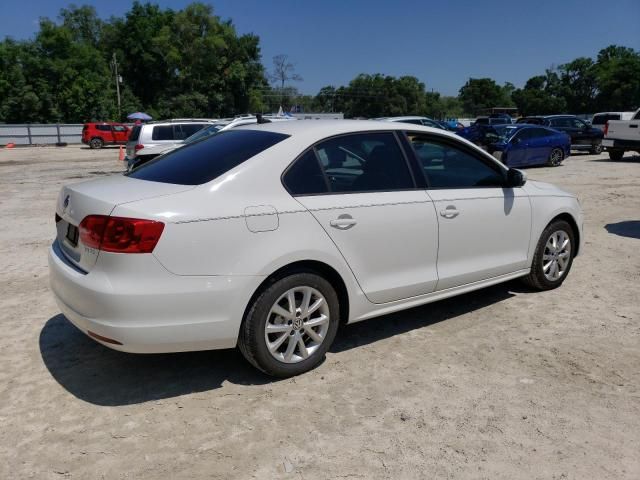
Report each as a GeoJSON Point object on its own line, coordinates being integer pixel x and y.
{"type": "Point", "coordinates": [40, 134]}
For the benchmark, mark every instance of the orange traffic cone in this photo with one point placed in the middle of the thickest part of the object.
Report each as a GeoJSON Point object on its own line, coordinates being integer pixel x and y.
{"type": "Point", "coordinates": [121, 154]}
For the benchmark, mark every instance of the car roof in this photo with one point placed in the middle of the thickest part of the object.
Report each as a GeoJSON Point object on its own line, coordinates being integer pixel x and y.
{"type": "Point", "coordinates": [403, 118]}
{"type": "Point", "coordinates": [314, 130]}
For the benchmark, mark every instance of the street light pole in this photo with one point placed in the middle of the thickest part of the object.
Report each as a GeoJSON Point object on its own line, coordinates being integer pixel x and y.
{"type": "Point", "coordinates": [114, 63]}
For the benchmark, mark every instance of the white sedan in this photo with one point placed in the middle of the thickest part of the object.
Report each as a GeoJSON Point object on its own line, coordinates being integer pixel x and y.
{"type": "Point", "coordinates": [269, 236]}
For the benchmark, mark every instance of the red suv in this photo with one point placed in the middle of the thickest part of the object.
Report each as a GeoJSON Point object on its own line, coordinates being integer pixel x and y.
{"type": "Point", "coordinates": [96, 135]}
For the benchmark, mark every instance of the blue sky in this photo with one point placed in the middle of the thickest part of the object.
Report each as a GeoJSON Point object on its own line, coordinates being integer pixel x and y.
{"type": "Point", "coordinates": [443, 43]}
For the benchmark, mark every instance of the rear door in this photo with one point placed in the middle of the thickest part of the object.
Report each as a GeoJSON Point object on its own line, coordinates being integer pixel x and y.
{"type": "Point", "coordinates": [484, 227]}
{"type": "Point", "coordinates": [365, 198]}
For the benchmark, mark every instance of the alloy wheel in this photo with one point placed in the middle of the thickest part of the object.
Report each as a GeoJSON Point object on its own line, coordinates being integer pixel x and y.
{"type": "Point", "coordinates": [297, 324]}
{"type": "Point", "coordinates": [556, 256]}
{"type": "Point", "coordinates": [556, 157]}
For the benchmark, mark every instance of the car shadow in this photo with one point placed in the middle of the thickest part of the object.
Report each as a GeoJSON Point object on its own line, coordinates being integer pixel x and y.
{"type": "Point", "coordinates": [629, 158]}
{"type": "Point", "coordinates": [628, 228]}
{"type": "Point", "coordinates": [105, 377]}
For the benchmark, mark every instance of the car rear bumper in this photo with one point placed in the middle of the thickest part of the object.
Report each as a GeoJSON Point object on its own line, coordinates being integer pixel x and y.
{"type": "Point", "coordinates": [621, 144]}
{"type": "Point", "coordinates": [146, 309]}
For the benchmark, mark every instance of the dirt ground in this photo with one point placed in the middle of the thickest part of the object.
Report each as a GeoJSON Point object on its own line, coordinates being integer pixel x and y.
{"type": "Point", "coordinates": [501, 383]}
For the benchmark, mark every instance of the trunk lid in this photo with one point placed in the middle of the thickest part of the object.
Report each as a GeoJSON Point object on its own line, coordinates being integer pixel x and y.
{"type": "Point", "coordinates": [99, 197]}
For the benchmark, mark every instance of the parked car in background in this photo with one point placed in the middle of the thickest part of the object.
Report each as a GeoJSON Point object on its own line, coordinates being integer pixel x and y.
{"type": "Point", "coordinates": [499, 120]}
{"type": "Point", "coordinates": [525, 145]}
{"type": "Point", "coordinates": [600, 119]}
{"type": "Point", "coordinates": [149, 153]}
{"type": "Point", "coordinates": [99, 134]}
{"type": "Point", "coordinates": [270, 236]}
{"type": "Point", "coordinates": [414, 120]}
{"type": "Point", "coordinates": [505, 117]}
{"type": "Point", "coordinates": [622, 136]}
{"type": "Point", "coordinates": [583, 136]}
{"type": "Point", "coordinates": [166, 132]}
{"type": "Point", "coordinates": [481, 134]}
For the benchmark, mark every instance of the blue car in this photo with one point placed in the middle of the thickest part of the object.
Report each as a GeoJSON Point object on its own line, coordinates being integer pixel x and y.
{"type": "Point", "coordinates": [523, 145]}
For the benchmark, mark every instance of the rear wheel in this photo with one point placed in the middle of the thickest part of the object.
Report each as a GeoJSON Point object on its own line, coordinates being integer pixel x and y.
{"type": "Point", "coordinates": [555, 157]}
{"type": "Point", "coordinates": [616, 155]}
{"type": "Point", "coordinates": [596, 149]}
{"type": "Point", "coordinates": [96, 143]}
{"type": "Point", "coordinates": [553, 257]}
{"type": "Point", "coordinates": [290, 325]}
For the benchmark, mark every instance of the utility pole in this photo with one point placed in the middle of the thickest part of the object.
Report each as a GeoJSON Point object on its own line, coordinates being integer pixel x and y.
{"type": "Point", "coordinates": [114, 64]}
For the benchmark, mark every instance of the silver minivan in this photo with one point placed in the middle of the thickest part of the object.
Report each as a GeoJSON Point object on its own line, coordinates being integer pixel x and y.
{"type": "Point", "coordinates": [166, 132]}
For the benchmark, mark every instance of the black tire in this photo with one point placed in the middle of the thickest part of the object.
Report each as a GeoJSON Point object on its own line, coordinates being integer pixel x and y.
{"type": "Point", "coordinates": [251, 339]}
{"type": "Point", "coordinates": [616, 155]}
{"type": "Point", "coordinates": [555, 157]}
{"type": "Point", "coordinates": [596, 149]}
{"type": "Point", "coordinates": [537, 278]}
{"type": "Point", "coordinates": [96, 143]}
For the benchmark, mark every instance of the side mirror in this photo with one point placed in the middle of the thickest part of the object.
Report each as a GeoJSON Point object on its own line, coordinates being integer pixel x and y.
{"type": "Point", "coordinates": [516, 178]}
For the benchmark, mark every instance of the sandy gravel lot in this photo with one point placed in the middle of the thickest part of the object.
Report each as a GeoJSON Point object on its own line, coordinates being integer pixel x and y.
{"type": "Point", "coordinates": [501, 383]}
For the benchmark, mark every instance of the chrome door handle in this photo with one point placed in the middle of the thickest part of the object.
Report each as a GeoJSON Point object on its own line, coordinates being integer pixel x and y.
{"type": "Point", "coordinates": [449, 212]}
{"type": "Point", "coordinates": [343, 222]}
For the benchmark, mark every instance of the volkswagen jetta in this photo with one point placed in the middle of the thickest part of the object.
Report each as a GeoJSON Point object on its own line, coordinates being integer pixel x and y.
{"type": "Point", "coordinates": [268, 236]}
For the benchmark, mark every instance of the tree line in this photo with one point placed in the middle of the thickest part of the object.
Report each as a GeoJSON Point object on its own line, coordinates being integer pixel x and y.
{"type": "Point", "coordinates": [192, 63]}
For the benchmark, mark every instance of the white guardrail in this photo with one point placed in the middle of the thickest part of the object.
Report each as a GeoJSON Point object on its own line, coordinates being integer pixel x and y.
{"type": "Point", "coordinates": [40, 134]}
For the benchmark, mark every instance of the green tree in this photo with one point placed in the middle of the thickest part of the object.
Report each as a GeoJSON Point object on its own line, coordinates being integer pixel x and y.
{"type": "Point", "coordinates": [617, 72]}
{"type": "Point", "coordinates": [579, 85]}
{"type": "Point", "coordinates": [481, 93]}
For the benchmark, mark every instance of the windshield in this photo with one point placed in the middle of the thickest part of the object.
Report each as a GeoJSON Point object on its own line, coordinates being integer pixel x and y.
{"type": "Point", "coordinates": [205, 132]}
{"type": "Point", "coordinates": [505, 132]}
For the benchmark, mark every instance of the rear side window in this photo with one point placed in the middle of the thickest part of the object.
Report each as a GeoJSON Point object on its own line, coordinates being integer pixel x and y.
{"type": "Point", "coordinates": [201, 162]}
{"type": "Point", "coordinates": [135, 133]}
{"type": "Point", "coordinates": [103, 128]}
{"type": "Point", "coordinates": [162, 132]}
{"type": "Point", "coordinates": [305, 176]}
{"type": "Point", "coordinates": [364, 162]}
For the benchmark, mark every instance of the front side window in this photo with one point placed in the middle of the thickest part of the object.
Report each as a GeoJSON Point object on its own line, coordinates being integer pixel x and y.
{"type": "Point", "coordinates": [364, 162]}
{"type": "Point", "coordinates": [201, 162]}
{"type": "Point", "coordinates": [446, 166]}
{"type": "Point", "coordinates": [119, 128]}
{"type": "Point", "coordinates": [191, 128]}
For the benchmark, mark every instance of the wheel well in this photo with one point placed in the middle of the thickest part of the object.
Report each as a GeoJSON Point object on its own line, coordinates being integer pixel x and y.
{"type": "Point", "coordinates": [309, 266]}
{"type": "Point", "coordinates": [574, 226]}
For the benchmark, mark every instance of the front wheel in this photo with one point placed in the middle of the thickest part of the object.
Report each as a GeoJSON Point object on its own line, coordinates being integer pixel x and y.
{"type": "Point", "coordinates": [553, 257]}
{"type": "Point", "coordinates": [555, 157]}
{"type": "Point", "coordinates": [290, 325]}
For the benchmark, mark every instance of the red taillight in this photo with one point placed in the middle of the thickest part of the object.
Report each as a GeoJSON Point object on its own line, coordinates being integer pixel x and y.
{"type": "Point", "coordinates": [138, 146]}
{"type": "Point", "coordinates": [120, 235]}
{"type": "Point", "coordinates": [606, 127]}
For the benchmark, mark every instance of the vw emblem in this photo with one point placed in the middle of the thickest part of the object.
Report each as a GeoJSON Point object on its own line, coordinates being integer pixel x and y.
{"type": "Point", "coordinates": [65, 204]}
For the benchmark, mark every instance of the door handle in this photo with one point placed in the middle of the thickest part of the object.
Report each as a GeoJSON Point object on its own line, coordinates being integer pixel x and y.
{"type": "Point", "coordinates": [450, 212]}
{"type": "Point", "coordinates": [343, 222]}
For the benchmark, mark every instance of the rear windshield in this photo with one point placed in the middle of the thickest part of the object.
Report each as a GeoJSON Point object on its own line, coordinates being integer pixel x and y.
{"type": "Point", "coordinates": [202, 161]}
{"type": "Point", "coordinates": [135, 133]}
{"type": "Point", "coordinates": [602, 119]}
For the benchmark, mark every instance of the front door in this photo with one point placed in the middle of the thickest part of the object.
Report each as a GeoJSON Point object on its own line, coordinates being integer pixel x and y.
{"type": "Point", "coordinates": [385, 228]}
{"type": "Point", "coordinates": [484, 227]}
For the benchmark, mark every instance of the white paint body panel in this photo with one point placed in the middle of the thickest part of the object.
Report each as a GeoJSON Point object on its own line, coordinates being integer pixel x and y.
{"type": "Point", "coordinates": [222, 239]}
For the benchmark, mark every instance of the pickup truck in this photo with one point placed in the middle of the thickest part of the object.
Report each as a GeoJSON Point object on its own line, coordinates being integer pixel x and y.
{"type": "Point", "coordinates": [621, 136]}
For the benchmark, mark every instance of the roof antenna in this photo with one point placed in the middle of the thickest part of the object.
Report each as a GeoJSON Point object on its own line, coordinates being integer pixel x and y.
{"type": "Point", "coordinates": [261, 119]}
